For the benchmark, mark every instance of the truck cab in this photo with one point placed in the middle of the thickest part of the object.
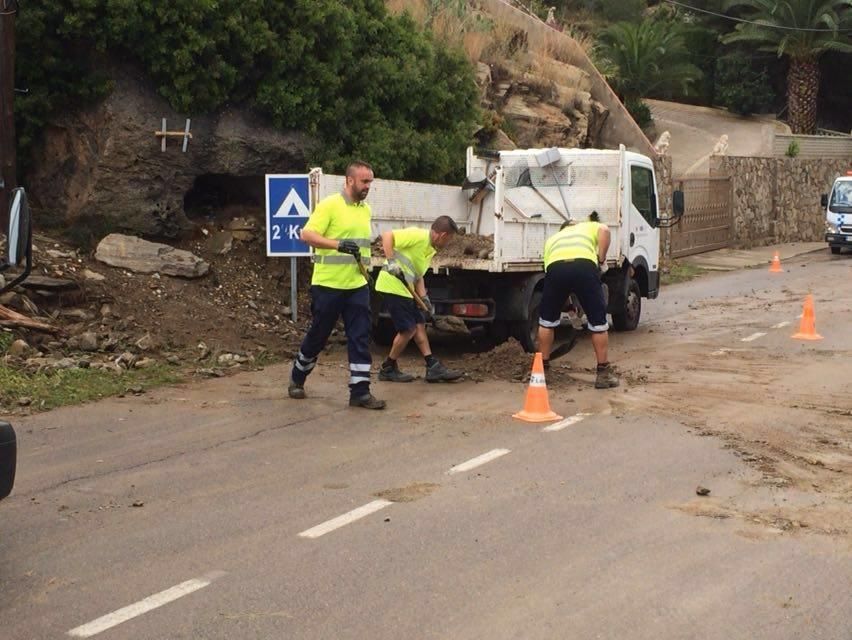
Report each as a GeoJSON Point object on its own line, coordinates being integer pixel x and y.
{"type": "Point", "coordinates": [838, 214]}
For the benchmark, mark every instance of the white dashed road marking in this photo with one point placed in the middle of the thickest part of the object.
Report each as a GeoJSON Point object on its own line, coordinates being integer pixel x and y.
{"type": "Point", "coordinates": [346, 518]}
{"type": "Point", "coordinates": [753, 337]}
{"type": "Point", "coordinates": [150, 603]}
{"type": "Point", "coordinates": [781, 325]}
{"type": "Point", "coordinates": [567, 422]}
{"type": "Point", "coordinates": [478, 461]}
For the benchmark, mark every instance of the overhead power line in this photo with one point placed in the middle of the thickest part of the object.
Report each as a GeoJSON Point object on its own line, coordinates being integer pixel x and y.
{"type": "Point", "coordinates": [754, 22]}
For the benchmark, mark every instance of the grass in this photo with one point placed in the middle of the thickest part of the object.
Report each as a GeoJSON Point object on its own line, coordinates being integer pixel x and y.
{"type": "Point", "coordinates": [55, 388]}
{"type": "Point", "coordinates": [681, 272]}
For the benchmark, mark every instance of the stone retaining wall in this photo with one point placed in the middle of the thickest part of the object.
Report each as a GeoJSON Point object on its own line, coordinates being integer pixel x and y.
{"type": "Point", "coordinates": [777, 199]}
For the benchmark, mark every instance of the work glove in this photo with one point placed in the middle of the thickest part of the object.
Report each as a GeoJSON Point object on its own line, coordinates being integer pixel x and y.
{"type": "Point", "coordinates": [430, 308]}
{"type": "Point", "coordinates": [394, 268]}
{"type": "Point", "coordinates": [350, 247]}
{"type": "Point", "coordinates": [604, 267]}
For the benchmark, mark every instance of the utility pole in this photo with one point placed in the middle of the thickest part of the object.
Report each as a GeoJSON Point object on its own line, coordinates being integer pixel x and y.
{"type": "Point", "coordinates": [8, 165]}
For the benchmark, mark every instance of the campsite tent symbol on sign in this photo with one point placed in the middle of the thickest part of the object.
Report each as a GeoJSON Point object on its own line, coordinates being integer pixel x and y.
{"type": "Point", "coordinates": [288, 207]}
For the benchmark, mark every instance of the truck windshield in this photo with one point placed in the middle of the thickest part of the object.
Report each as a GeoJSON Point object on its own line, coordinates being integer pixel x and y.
{"type": "Point", "coordinates": [841, 198]}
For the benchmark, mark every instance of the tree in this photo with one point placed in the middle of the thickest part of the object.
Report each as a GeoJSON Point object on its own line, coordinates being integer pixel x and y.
{"type": "Point", "coordinates": [801, 30]}
{"type": "Point", "coordinates": [647, 59]}
{"type": "Point", "coordinates": [742, 86]}
{"type": "Point", "coordinates": [360, 81]}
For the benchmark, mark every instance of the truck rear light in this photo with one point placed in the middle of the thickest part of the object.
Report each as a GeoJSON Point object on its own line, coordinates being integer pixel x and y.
{"type": "Point", "coordinates": [470, 310]}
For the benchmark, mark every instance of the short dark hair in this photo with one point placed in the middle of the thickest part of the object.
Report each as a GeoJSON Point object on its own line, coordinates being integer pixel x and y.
{"type": "Point", "coordinates": [594, 216]}
{"type": "Point", "coordinates": [357, 164]}
{"type": "Point", "coordinates": [445, 224]}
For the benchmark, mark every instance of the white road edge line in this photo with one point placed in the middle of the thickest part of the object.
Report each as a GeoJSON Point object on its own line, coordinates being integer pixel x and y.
{"type": "Point", "coordinates": [754, 336]}
{"type": "Point", "coordinates": [478, 461]}
{"type": "Point", "coordinates": [150, 603]}
{"type": "Point", "coordinates": [567, 422]}
{"type": "Point", "coordinates": [346, 518]}
{"type": "Point", "coordinates": [781, 325]}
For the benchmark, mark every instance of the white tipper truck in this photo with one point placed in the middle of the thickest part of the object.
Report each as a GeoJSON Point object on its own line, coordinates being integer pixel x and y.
{"type": "Point", "coordinates": [520, 198]}
{"type": "Point", "coordinates": [838, 214]}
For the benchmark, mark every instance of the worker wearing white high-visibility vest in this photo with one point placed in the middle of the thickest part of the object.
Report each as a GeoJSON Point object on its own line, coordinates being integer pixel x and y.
{"type": "Point", "coordinates": [572, 259]}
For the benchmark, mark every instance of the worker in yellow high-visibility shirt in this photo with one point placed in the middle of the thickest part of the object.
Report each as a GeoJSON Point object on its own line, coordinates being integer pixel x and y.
{"type": "Point", "coordinates": [339, 230]}
{"type": "Point", "coordinates": [572, 259]}
{"type": "Point", "coordinates": [409, 253]}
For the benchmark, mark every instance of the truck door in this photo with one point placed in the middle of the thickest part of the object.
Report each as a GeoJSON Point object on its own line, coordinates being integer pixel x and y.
{"type": "Point", "coordinates": [642, 235]}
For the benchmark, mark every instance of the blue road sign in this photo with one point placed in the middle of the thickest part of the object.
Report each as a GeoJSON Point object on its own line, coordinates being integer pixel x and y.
{"type": "Point", "coordinates": [288, 207]}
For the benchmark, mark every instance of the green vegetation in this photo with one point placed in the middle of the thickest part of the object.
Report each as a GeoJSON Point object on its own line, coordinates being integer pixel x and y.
{"type": "Point", "coordinates": [57, 387]}
{"type": "Point", "coordinates": [646, 59]}
{"type": "Point", "coordinates": [792, 149]}
{"type": "Point", "coordinates": [363, 82]}
{"type": "Point", "coordinates": [681, 272]}
{"type": "Point", "coordinates": [740, 86]}
{"type": "Point", "coordinates": [791, 28]}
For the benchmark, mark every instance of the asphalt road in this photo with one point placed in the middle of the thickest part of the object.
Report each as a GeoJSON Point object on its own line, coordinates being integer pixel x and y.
{"type": "Point", "coordinates": [209, 511]}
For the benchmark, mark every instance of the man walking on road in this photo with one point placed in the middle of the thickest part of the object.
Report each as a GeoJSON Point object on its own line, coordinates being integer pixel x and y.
{"type": "Point", "coordinates": [571, 261]}
{"type": "Point", "coordinates": [339, 230]}
{"type": "Point", "coordinates": [409, 253]}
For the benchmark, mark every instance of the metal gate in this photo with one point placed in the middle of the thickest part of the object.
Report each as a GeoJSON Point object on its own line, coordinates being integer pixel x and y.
{"type": "Point", "coordinates": [708, 221]}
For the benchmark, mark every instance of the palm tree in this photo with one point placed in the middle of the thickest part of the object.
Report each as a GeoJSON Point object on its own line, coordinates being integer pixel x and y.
{"type": "Point", "coordinates": [646, 59]}
{"type": "Point", "coordinates": [802, 30]}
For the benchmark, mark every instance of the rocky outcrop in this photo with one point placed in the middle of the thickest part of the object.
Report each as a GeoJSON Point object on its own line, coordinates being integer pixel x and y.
{"type": "Point", "coordinates": [545, 103]}
{"type": "Point", "coordinates": [103, 166]}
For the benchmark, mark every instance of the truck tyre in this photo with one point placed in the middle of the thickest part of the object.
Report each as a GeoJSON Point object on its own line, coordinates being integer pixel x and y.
{"type": "Point", "coordinates": [835, 250]}
{"type": "Point", "coordinates": [383, 332]}
{"type": "Point", "coordinates": [526, 330]}
{"type": "Point", "coordinates": [627, 318]}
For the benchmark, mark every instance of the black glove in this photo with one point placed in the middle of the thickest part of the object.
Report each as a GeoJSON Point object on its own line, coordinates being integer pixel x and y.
{"type": "Point", "coordinates": [350, 247]}
{"type": "Point", "coordinates": [429, 312]}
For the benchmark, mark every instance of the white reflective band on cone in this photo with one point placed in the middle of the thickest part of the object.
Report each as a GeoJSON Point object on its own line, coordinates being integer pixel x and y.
{"type": "Point", "coordinates": [536, 379]}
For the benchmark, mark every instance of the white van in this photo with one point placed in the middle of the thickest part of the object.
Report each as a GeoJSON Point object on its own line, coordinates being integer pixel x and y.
{"type": "Point", "coordinates": [838, 214]}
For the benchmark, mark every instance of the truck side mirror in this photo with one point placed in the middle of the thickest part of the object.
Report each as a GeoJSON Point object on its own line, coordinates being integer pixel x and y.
{"type": "Point", "coordinates": [678, 203]}
{"type": "Point", "coordinates": [19, 249]}
{"type": "Point", "coordinates": [823, 201]}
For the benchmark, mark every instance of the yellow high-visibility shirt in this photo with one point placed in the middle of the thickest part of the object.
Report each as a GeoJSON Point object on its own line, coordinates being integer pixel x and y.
{"type": "Point", "coordinates": [578, 241]}
{"type": "Point", "coordinates": [336, 218]}
{"type": "Point", "coordinates": [413, 249]}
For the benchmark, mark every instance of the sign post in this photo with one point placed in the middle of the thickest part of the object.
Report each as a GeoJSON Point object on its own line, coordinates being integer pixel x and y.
{"type": "Point", "coordinates": [288, 207]}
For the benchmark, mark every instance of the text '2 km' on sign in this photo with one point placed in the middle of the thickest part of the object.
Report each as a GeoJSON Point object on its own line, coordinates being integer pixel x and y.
{"type": "Point", "coordinates": [288, 207]}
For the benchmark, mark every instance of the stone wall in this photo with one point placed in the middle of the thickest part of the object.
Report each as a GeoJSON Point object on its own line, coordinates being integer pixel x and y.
{"type": "Point", "coordinates": [777, 199]}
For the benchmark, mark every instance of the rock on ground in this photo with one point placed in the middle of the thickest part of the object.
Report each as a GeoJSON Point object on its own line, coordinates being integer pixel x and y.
{"type": "Point", "coordinates": [142, 256]}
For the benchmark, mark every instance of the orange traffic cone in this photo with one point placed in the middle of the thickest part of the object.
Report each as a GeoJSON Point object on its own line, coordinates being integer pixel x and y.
{"type": "Point", "coordinates": [775, 267]}
{"type": "Point", "coordinates": [807, 328]}
{"type": "Point", "coordinates": [537, 405]}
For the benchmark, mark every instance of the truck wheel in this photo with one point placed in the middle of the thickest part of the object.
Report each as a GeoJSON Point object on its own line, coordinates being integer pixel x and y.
{"type": "Point", "coordinates": [835, 250]}
{"type": "Point", "coordinates": [627, 318]}
{"type": "Point", "coordinates": [526, 331]}
{"type": "Point", "coordinates": [383, 332]}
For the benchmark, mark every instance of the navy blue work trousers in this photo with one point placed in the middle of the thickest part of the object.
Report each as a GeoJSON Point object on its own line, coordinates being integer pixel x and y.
{"type": "Point", "coordinates": [327, 305]}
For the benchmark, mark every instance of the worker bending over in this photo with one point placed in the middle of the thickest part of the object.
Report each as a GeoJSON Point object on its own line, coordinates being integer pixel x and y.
{"type": "Point", "coordinates": [409, 253]}
{"type": "Point", "coordinates": [572, 259]}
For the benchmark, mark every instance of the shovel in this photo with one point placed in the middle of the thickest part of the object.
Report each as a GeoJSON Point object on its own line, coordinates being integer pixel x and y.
{"type": "Point", "coordinates": [565, 347]}
{"type": "Point", "coordinates": [450, 324]}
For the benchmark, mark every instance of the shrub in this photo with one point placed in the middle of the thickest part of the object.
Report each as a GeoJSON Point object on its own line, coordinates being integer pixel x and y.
{"type": "Point", "coordinates": [640, 111]}
{"type": "Point", "coordinates": [792, 149]}
{"type": "Point", "coordinates": [740, 87]}
{"type": "Point", "coordinates": [364, 82]}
